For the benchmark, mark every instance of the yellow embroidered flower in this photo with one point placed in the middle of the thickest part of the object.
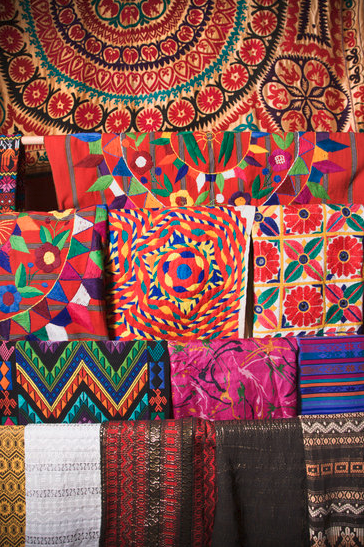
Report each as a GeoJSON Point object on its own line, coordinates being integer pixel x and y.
{"type": "Point", "coordinates": [181, 199]}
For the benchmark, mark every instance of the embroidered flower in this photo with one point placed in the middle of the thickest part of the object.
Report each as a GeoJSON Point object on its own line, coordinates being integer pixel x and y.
{"type": "Point", "coordinates": [21, 69]}
{"type": "Point", "coordinates": [239, 198]}
{"type": "Point", "coordinates": [302, 220]}
{"type": "Point", "coordinates": [264, 22]}
{"type": "Point", "coordinates": [118, 121]}
{"type": "Point", "coordinates": [344, 299]}
{"type": "Point", "coordinates": [7, 183]}
{"type": "Point", "coordinates": [181, 199]}
{"type": "Point", "coordinates": [88, 115]}
{"type": "Point", "coordinates": [344, 215]}
{"type": "Point", "coordinates": [9, 299]}
{"type": "Point", "coordinates": [303, 306]}
{"type": "Point", "coordinates": [141, 162]}
{"type": "Point", "coordinates": [344, 256]}
{"type": "Point", "coordinates": [209, 99]}
{"type": "Point", "coordinates": [181, 113]}
{"type": "Point", "coordinates": [234, 78]}
{"type": "Point", "coordinates": [149, 119]}
{"type": "Point", "coordinates": [266, 261]}
{"type": "Point", "coordinates": [303, 260]}
{"type": "Point", "coordinates": [252, 51]}
{"type": "Point", "coordinates": [48, 257]}
{"type": "Point", "coordinates": [35, 93]}
{"type": "Point", "coordinates": [60, 105]}
{"type": "Point", "coordinates": [280, 160]}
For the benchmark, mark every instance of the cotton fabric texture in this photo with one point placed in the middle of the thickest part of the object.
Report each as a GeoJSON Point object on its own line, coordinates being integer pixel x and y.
{"type": "Point", "coordinates": [158, 480]}
{"type": "Point", "coordinates": [63, 485]}
{"type": "Point", "coordinates": [308, 270]}
{"type": "Point", "coordinates": [8, 391]}
{"type": "Point", "coordinates": [335, 478]}
{"type": "Point", "coordinates": [91, 382]}
{"type": "Point", "coordinates": [331, 373]}
{"type": "Point", "coordinates": [234, 379]}
{"type": "Point", "coordinates": [12, 487]}
{"type": "Point", "coordinates": [51, 275]}
{"type": "Point", "coordinates": [261, 490]}
{"type": "Point", "coordinates": [9, 168]}
{"type": "Point", "coordinates": [178, 273]}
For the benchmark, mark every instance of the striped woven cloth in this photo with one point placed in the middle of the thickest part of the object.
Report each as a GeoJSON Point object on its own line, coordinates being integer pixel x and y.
{"type": "Point", "coordinates": [331, 374]}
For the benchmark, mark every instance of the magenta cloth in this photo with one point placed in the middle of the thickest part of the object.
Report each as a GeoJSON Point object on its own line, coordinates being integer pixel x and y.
{"type": "Point", "coordinates": [236, 379]}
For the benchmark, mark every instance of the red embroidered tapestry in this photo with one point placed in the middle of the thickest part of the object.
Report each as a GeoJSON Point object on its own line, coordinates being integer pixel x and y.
{"type": "Point", "coordinates": [111, 66]}
{"type": "Point", "coordinates": [51, 280]}
{"type": "Point", "coordinates": [179, 169]}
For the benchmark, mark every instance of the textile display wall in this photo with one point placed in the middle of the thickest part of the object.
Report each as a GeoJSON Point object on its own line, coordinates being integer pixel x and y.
{"type": "Point", "coordinates": [180, 65]}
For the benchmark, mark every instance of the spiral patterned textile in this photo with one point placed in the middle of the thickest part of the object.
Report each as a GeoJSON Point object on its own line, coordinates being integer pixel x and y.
{"type": "Point", "coordinates": [151, 65]}
{"type": "Point", "coordinates": [178, 272]}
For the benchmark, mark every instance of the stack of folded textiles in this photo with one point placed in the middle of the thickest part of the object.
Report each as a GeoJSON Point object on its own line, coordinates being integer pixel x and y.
{"type": "Point", "coordinates": [181, 352]}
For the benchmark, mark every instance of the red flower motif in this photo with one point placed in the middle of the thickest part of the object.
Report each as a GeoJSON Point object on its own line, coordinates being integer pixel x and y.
{"type": "Point", "coordinates": [93, 46]}
{"type": "Point", "coordinates": [303, 306]}
{"type": "Point", "coordinates": [118, 121]}
{"type": "Point", "coordinates": [335, 100]}
{"type": "Point", "coordinates": [324, 121]}
{"type": "Point", "coordinates": [21, 69]}
{"type": "Point", "coordinates": [60, 105]}
{"type": "Point", "coordinates": [293, 121]}
{"type": "Point", "coordinates": [338, 219]}
{"type": "Point", "coordinates": [35, 93]}
{"type": "Point", "coordinates": [66, 16]}
{"type": "Point", "coordinates": [336, 295]}
{"type": "Point", "coordinates": [11, 39]}
{"type": "Point", "coordinates": [302, 220]}
{"type": "Point", "coordinates": [76, 33]}
{"type": "Point", "coordinates": [7, 183]}
{"type": "Point", "coordinates": [234, 78]}
{"type": "Point", "coordinates": [277, 95]}
{"type": "Point", "coordinates": [344, 256]}
{"type": "Point", "coordinates": [111, 55]}
{"type": "Point", "coordinates": [209, 99]}
{"type": "Point", "coordinates": [149, 119]}
{"type": "Point", "coordinates": [7, 10]}
{"type": "Point", "coordinates": [181, 113]}
{"type": "Point", "coordinates": [129, 16]}
{"type": "Point", "coordinates": [266, 261]}
{"type": "Point", "coordinates": [141, 162]}
{"type": "Point", "coordinates": [195, 17]}
{"type": "Point", "coordinates": [88, 115]}
{"type": "Point", "coordinates": [252, 52]}
{"type": "Point", "coordinates": [280, 160]}
{"type": "Point", "coordinates": [48, 257]}
{"type": "Point", "coordinates": [264, 22]}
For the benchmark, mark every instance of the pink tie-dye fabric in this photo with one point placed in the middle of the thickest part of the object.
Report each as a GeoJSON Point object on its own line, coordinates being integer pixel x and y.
{"type": "Point", "coordinates": [236, 379]}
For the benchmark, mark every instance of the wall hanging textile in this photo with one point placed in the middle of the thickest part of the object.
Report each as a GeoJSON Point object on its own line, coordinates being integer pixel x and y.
{"type": "Point", "coordinates": [81, 382]}
{"type": "Point", "coordinates": [234, 379]}
{"type": "Point", "coordinates": [12, 487]}
{"type": "Point", "coordinates": [335, 478]}
{"type": "Point", "coordinates": [63, 485]}
{"type": "Point", "coordinates": [308, 269]}
{"type": "Point", "coordinates": [8, 391]}
{"type": "Point", "coordinates": [160, 169]}
{"type": "Point", "coordinates": [158, 480]}
{"type": "Point", "coordinates": [9, 160]}
{"type": "Point", "coordinates": [178, 273]}
{"type": "Point", "coordinates": [51, 280]}
{"type": "Point", "coordinates": [190, 65]}
{"type": "Point", "coordinates": [261, 485]}
{"type": "Point", "coordinates": [331, 371]}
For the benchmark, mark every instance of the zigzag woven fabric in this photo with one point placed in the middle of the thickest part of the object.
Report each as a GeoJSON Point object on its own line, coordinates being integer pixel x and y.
{"type": "Point", "coordinates": [12, 487]}
{"type": "Point", "coordinates": [111, 66]}
{"type": "Point", "coordinates": [331, 374]}
{"type": "Point", "coordinates": [9, 161]}
{"type": "Point", "coordinates": [308, 270]}
{"type": "Point", "coordinates": [8, 391]}
{"type": "Point", "coordinates": [160, 169]}
{"type": "Point", "coordinates": [178, 273]}
{"type": "Point", "coordinates": [158, 480]}
{"type": "Point", "coordinates": [51, 275]}
{"type": "Point", "coordinates": [335, 478]}
{"type": "Point", "coordinates": [80, 382]}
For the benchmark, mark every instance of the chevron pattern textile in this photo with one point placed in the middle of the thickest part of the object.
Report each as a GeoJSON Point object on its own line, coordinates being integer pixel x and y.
{"type": "Point", "coordinates": [9, 166]}
{"type": "Point", "coordinates": [178, 273]}
{"type": "Point", "coordinates": [63, 484]}
{"type": "Point", "coordinates": [165, 169]}
{"type": "Point", "coordinates": [335, 478]}
{"type": "Point", "coordinates": [159, 483]}
{"type": "Point", "coordinates": [51, 280]}
{"type": "Point", "coordinates": [12, 487]}
{"type": "Point", "coordinates": [81, 382]}
{"type": "Point", "coordinates": [8, 391]}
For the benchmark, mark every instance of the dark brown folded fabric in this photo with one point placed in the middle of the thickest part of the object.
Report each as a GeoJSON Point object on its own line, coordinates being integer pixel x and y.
{"type": "Point", "coordinates": [261, 493]}
{"type": "Point", "coordinates": [334, 448]}
{"type": "Point", "coordinates": [158, 481]}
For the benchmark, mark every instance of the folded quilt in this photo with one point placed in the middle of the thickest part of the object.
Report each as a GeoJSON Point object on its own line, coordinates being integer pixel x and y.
{"type": "Point", "coordinates": [331, 374]}
{"type": "Point", "coordinates": [63, 485]}
{"type": "Point", "coordinates": [308, 270]}
{"type": "Point", "coordinates": [51, 275]}
{"type": "Point", "coordinates": [178, 273]}
{"type": "Point", "coordinates": [234, 379]}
